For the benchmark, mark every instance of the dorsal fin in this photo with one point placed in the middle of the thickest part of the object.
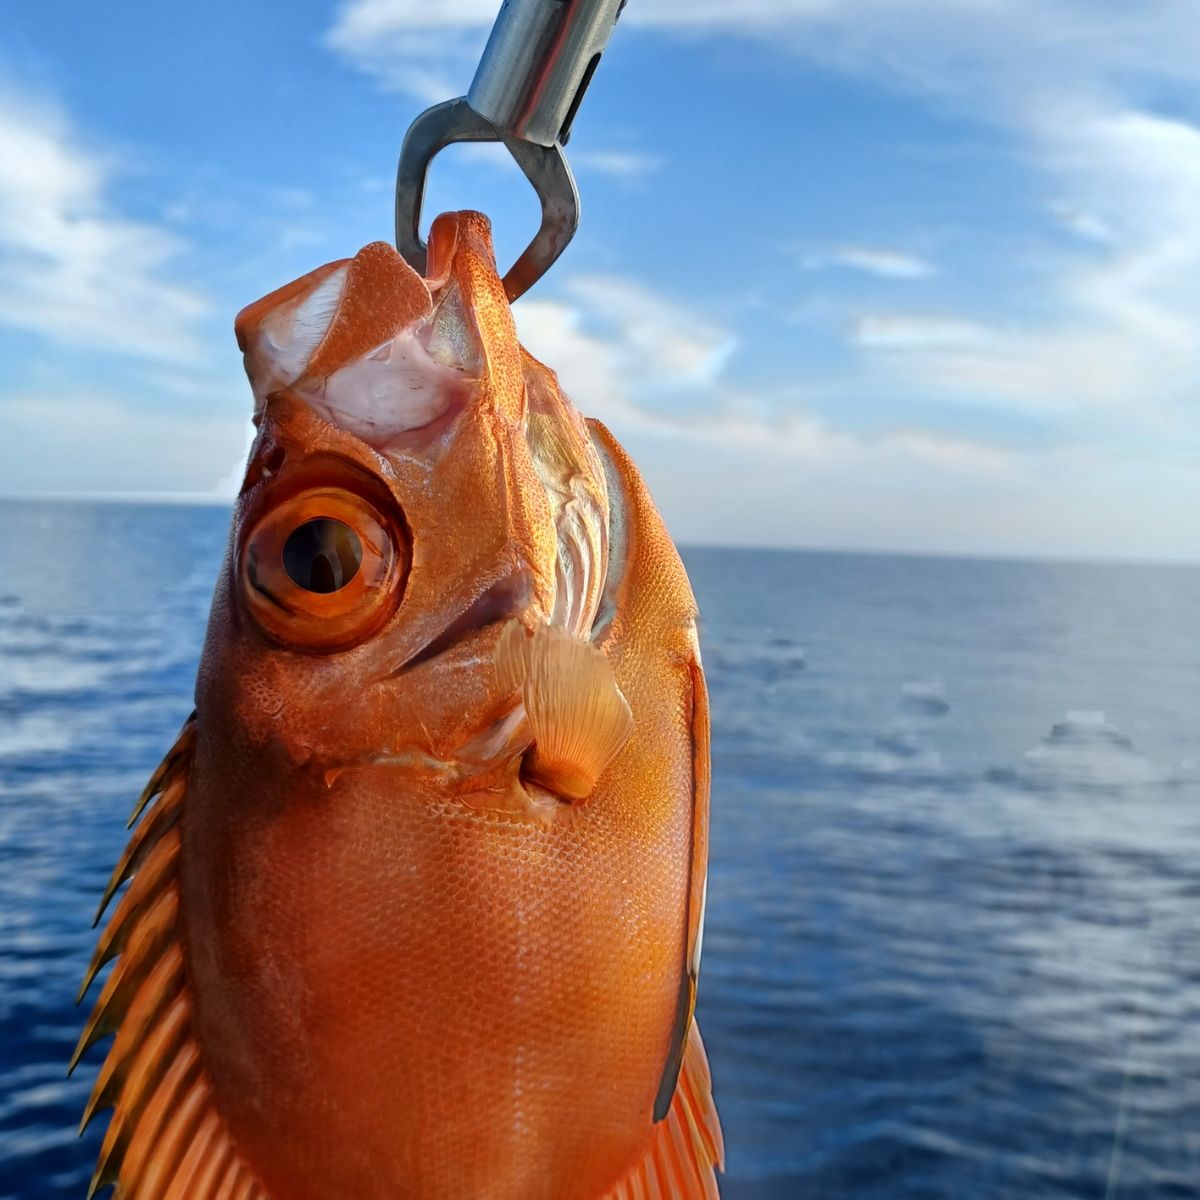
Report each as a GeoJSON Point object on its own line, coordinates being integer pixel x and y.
{"type": "Point", "coordinates": [165, 1140]}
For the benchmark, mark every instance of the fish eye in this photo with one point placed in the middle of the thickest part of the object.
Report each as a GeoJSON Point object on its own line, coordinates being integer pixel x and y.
{"type": "Point", "coordinates": [324, 569]}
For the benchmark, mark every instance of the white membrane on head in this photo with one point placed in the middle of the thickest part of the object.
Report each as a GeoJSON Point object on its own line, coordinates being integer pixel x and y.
{"type": "Point", "coordinates": [284, 340]}
{"type": "Point", "coordinates": [401, 385]}
{"type": "Point", "coordinates": [396, 387]}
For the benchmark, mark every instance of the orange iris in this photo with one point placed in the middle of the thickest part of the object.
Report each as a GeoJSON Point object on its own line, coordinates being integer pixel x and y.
{"type": "Point", "coordinates": [323, 570]}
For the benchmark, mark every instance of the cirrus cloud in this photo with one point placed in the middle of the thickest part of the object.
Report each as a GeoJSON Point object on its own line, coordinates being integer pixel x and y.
{"type": "Point", "coordinates": [72, 268]}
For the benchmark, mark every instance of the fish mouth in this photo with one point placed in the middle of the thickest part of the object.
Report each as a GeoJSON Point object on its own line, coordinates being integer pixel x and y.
{"type": "Point", "coordinates": [505, 598]}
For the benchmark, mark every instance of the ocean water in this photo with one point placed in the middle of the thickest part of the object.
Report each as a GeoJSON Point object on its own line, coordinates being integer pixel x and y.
{"type": "Point", "coordinates": [953, 944]}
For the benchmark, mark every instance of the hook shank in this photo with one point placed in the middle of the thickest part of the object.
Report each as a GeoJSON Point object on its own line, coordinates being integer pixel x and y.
{"type": "Point", "coordinates": [538, 62]}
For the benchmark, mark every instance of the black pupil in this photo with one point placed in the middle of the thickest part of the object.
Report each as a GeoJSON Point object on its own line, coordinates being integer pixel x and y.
{"type": "Point", "coordinates": [322, 555]}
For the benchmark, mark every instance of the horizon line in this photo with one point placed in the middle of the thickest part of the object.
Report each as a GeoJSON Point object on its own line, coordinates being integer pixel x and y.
{"type": "Point", "coordinates": [214, 500]}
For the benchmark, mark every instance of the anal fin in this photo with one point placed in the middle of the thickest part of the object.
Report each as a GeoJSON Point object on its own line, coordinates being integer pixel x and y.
{"type": "Point", "coordinates": [686, 1149]}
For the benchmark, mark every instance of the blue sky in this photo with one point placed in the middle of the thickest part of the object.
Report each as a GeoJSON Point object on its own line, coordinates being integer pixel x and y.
{"type": "Point", "coordinates": [889, 274]}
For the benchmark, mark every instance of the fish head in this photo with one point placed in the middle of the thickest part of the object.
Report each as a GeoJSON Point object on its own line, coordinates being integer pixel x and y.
{"type": "Point", "coordinates": [417, 481]}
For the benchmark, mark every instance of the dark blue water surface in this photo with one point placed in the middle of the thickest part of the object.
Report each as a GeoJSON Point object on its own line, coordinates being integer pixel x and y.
{"type": "Point", "coordinates": [953, 941]}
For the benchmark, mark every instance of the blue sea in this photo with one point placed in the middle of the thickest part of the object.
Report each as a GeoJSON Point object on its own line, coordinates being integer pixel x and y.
{"type": "Point", "coordinates": [953, 945]}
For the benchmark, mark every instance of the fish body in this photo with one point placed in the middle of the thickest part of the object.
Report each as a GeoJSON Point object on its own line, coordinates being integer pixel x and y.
{"type": "Point", "coordinates": [416, 900]}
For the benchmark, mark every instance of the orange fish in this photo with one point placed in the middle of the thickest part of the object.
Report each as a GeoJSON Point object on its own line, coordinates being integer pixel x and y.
{"type": "Point", "coordinates": [415, 901]}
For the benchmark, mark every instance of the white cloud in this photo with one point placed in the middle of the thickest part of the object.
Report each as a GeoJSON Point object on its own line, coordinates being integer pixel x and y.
{"type": "Point", "coordinates": [1116, 315]}
{"type": "Point", "coordinates": [909, 332]}
{"type": "Point", "coordinates": [978, 49]}
{"type": "Point", "coordinates": [685, 347]}
{"type": "Point", "coordinates": [993, 55]}
{"type": "Point", "coordinates": [617, 345]}
{"type": "Point", "coordinates": [1085, 224]}
{"type": "Point", "coordinates": [102, 443]}
{"type": "Point", "coordinates": [426, 49]}
{"type": "Point", "coordinates": [1139, 174]}
{"type": "Point", "coordinates": [1127, 308]}
{"type": "Point", "coordinates": [627, 166]}
{"type": "Point", "coordinates": [873, 260]}
{"type": "Point", "coordinates": [71, 267]}
{"type": "Point", "coordinates": [788, 478]}
{"type": "Point", "coordinates": [1057, 504]}
{"type": "Point", "coordinates": [1040, 372]}
{"type": "Point", "coordinates": [630, 166]}
{"type": "Point", "coordinates": [362, 21]}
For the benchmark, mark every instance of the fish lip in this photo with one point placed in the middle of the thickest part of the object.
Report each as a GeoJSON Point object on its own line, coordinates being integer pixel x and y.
{"type": "Point", "coordinates": [505, 598]}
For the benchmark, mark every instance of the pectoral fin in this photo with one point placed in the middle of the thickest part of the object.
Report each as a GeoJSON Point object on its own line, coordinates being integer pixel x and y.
{"type": "Point", "coordinates": [577, 714]}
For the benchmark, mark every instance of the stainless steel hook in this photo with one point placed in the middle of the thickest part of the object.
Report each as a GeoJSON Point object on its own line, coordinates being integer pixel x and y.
{"type": "Point", "coordinates": [538, 63]}
{"type": "Point", "coordinates": [545, 167]}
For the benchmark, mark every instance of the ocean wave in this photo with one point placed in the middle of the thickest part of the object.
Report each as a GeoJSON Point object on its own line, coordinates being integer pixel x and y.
{"type": "Point", "coordinates": [924, 698]}
{"type": "Point", "coordinates": [1084, 751]}
{"type": "Point", "coordinates": [759, 662]}
{"type": "Point", "coordinates": [896, 752]}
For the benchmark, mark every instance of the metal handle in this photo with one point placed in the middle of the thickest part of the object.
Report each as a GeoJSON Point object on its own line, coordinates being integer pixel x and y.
{"type": "Point", "coordinates": [538, 62]}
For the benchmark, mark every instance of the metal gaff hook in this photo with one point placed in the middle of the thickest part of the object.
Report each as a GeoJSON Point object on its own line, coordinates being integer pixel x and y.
{"type": "Point", "coordinates": [544, 166]}
{"type": "Point", "coordinates": [539, 60]}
